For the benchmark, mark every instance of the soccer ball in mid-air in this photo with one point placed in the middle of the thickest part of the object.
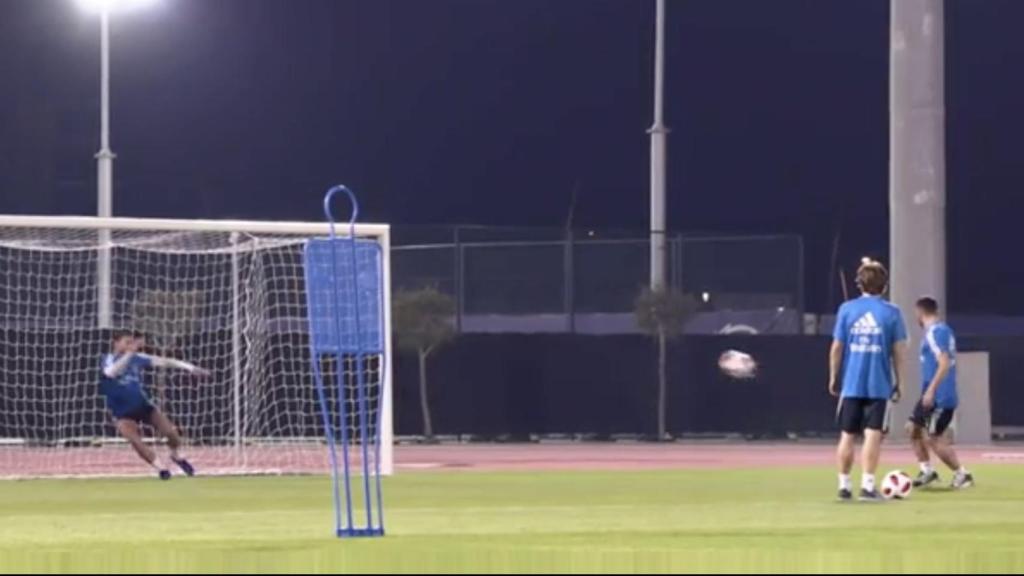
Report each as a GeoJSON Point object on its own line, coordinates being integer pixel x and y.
{"type": "Point", "coordinates": [736, 364]}
{"type": "Point", "coordinates": [897, 486]}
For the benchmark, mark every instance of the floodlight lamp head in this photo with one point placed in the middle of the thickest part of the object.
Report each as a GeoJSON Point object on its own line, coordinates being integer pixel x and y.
{"type": "Point", "coordinates": [109, 6]}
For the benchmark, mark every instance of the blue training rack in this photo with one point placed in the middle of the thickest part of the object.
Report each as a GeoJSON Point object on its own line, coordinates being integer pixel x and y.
{"type": "Point", "coordinates": [344, 296]}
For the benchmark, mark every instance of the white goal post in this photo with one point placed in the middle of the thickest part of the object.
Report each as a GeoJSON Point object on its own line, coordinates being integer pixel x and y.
{"type": "Point", "coordinates": [227, 295]}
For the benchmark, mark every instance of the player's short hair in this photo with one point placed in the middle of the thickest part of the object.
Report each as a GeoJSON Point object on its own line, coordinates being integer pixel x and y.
{"type": "Point", "coordinates": [872, 277]}
{"type": "Point", "coordinates": [928, 305]}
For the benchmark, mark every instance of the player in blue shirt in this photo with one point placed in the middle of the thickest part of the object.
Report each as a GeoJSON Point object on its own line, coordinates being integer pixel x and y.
{"type": "Point", "coordinates": [864, 370]}
{"type": "Point", "coordinates": [933, 413]}
{"type": "Point", "coordinates": [122, 385]}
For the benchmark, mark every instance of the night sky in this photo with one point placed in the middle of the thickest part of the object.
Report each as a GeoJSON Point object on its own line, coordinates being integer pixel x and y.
{"type": "Point", "coordinates": [493, 111]}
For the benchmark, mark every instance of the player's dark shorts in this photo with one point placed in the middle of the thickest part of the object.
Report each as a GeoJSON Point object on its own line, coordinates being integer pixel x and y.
{"type": "Point", "coordinates": [141, 413]}
{"type": "Point", "coordinates": [855, 415]}
{"type": "Point", "coordinates": [936, 420]}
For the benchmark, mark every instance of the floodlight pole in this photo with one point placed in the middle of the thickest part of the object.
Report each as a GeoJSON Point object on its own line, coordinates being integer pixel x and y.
{"type": "Point", "coordinates": [917, 160]}
{"type": "Point", "coordinates": [917, 152]}
{"type": "Point", "coordinates": [659, 138]}
{"type": "Point", "coordinates": [105, 179]}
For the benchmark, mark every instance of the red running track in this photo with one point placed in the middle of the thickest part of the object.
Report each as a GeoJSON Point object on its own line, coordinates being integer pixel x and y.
{"type": "Point", "coordinates": [312, 459]}
{"type": "Point", "coordinates": [618, 456]}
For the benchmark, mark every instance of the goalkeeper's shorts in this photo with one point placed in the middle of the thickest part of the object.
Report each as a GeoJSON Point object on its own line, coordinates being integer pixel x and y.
{"type": "Point", "coordinates": [138, 413]}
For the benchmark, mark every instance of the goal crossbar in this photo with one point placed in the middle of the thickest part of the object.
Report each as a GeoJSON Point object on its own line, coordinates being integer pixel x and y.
{"type": "Point", "coordinates": [379, 231]}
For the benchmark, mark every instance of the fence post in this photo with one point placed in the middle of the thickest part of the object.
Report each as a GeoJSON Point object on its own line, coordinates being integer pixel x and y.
{"type": "Point", "coordinates": [676, 255]}
{"type": "Point", "coordinates": [458, 278]}
{"type": "Point", "coordinates": [801, 305]}
{"type": "Point", "coordinates": [569, 282]}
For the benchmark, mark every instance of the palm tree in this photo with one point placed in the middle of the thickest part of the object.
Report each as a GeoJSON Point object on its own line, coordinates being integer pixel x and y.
{"type": "Point", "coordinates": [166, 318]}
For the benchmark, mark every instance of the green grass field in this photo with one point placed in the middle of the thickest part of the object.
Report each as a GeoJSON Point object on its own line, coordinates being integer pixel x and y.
{"type": "Point", "coordinates": [697, 520]}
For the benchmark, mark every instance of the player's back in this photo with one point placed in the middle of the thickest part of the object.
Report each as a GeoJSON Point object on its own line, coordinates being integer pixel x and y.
{"type": "Point", "coordinates": [939, 339]}
{"type": "Point", "coordinates": [868, 327]}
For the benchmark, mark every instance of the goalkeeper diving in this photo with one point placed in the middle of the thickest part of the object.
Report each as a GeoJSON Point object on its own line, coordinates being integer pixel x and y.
{"type": "Point", "coordinates": [123, 387]}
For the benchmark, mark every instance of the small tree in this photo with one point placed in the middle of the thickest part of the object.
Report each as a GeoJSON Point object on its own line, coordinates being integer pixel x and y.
{"type": "Point", "coordinates": [662, 314]}
{"type": "Point", "coordinates": [422, 321]}
{"type": "Point", "coordinates": [167, 318]}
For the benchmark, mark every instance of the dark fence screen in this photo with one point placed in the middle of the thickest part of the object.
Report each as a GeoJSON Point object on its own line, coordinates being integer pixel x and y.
{"type": "Point", "coordinates": [573, 384]}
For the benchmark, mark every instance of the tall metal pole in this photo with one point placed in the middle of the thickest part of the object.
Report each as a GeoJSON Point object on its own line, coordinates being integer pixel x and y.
{"type": "Point", "coordinates": [105, 179]}
{"type": "Point", "coordinates": [659, 137]}
{"type": "Point", "coordinates": [917, 159]}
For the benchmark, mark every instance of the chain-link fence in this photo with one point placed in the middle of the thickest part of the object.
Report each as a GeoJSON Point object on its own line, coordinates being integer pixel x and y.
{"type": "Point", "coordinates": [555, 279]}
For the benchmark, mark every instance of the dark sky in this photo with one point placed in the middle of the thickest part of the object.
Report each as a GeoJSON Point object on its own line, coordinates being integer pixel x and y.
{"type": "Point", "coordinates": [491, 111]}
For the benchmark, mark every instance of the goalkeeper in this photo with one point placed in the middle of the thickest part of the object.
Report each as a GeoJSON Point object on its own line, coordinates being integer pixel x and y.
{"type": "Point", "coordinates": [121, 384]}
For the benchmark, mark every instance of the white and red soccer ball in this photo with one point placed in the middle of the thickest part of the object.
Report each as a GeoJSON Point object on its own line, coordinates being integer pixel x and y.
{"type": "Point", "coordinates": [897, 486]}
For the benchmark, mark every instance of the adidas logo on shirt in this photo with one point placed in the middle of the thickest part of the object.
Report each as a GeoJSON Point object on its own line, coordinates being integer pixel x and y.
{"type": "Point", "coordinates": [866, 326]}
{"type": "Point", "coordinates": [866, 332]}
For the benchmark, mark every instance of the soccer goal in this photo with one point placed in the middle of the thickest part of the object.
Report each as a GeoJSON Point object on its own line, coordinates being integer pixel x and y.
{"type": "Point", "coordinates": [229, 296]}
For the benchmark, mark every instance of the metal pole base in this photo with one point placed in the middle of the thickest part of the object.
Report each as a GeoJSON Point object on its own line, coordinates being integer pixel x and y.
{"type": "Point", "coordinates": [360, 532]}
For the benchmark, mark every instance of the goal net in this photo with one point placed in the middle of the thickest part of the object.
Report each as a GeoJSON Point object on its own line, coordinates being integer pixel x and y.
{"type": "Point", "coordinates": [227, 296]}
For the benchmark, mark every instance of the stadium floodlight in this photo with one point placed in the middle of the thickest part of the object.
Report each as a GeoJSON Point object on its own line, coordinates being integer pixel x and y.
{"type": "Point", "coordinates": [105, 156]}
{"type": "Point", "coordinates": [107, 6]}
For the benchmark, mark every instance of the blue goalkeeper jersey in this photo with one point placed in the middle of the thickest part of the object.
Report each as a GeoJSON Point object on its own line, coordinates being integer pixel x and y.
{"type": "Point", "coordinates": [868, 327]}
{"type": "Point", "coordinates": [126, 392]}
{"type": "Point", "coordinates": [938, 340]}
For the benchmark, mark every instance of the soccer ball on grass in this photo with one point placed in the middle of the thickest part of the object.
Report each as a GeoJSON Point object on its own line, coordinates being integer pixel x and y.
{"type": "Point", "coordinates": [897, 486]}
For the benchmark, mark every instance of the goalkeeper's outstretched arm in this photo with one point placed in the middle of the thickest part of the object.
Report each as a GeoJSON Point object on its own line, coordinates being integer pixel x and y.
{"type": "Point", "coordinates": [161, 362]}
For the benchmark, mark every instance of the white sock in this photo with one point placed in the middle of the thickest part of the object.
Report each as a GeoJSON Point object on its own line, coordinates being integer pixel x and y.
{"type": "Point", "coordinates": [157, 464]}
{"type": "Point", "coordinates": [962, 471]}
{"type": "Point", "coordinates": [844, 482]}
{"type": "Point", "coordinates": [174, 454]}
{"type": "Point", "coordinates": [867, 482]}
{"type": "Point", "coordinates": [926, 467]}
